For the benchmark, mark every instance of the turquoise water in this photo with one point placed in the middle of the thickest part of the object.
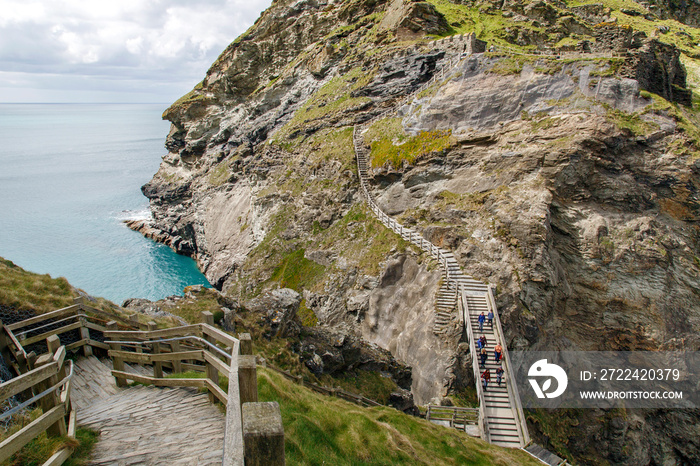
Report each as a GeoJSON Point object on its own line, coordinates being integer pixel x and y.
{"type": "Point", "coordinates": [69, 175]}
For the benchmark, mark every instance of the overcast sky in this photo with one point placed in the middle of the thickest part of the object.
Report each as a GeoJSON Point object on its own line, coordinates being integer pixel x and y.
{"type": "Point", "coordinates": [114, 50]}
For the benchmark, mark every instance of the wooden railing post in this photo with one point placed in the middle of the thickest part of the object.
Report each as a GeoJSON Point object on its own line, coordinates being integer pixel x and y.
{"type": "Point", "coordinates": [4, 346]}
{"type": "Point", "coordinates": [52, 399]}
{"type": "Point", "coordinates": [117, 362]}
{"type": "Point", "coordinates": [85, 335]}
{"type": "Point", "coordinates": [247, 379]}
{"type": "Point", "coordinates": [175, 348]}
{"type": "Point", "coordinates": [84, 331]}
{"type": "Point", "coordinates": [157, 365]}
{"type": "Point", "coordinates": [134, 319]}
{"type": "Point", "coordinates": [212, 372]}
{"type": "Point", "coordinates": [246, 344]}
{"type": "Point", "coordinates": [263, 434]}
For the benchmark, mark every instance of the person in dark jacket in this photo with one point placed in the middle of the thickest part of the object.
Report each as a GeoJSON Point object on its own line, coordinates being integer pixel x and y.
{"type": "Point", "coordinates": [486, 378]}
{"type": "Point", "coordinates": [481, 319]}
{"type": "Point", "coordinates": [499, 374]}
{"type": "Point", "coordinates": [483, 355]}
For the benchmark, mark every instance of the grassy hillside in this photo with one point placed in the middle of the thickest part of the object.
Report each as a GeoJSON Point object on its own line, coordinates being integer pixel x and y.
{"type": "Point", "coordinates": [326, 430]}
{"type": "Point", "coordinates": [23, 290]}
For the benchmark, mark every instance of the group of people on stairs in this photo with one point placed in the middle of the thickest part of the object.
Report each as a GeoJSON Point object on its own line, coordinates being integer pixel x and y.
{"type": "Point", "coordinates": [483, 355]}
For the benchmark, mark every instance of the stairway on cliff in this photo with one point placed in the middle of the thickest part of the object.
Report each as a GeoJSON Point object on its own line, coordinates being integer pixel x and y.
{"type": "Point", "coordinates": [500, 417]}
{"type": "Point", "coordinates": [445, 308]}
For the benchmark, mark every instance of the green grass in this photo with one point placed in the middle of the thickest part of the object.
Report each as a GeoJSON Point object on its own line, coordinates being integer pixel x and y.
{"type": "Point", "coordinates": [331, 101]}
{"type": "Point", "coordinates": [220, 174]}
{"type": "Point", "coordinates": [630, 121]}
{"type": "Point", "coordinates": [386, 152]}
{"type": "Point", "coordinates": [20, 289]}
{"type": "Point", "coordinates": [191, 309]}
{"type": "Point", "coordinates": [306, 315]}
{"type": "Point", "coordinates": [370, 384]}
{"type": "Point", "coordinates": [38, 450]}
{"type": "Point", "coordinates": [26, 290]}
{"type": "Point", "coordinates": [297, 272]}
{"type": "Point", "coordinates": [326, 430]}
{"type": "Point", "coordinates": [487, 26]}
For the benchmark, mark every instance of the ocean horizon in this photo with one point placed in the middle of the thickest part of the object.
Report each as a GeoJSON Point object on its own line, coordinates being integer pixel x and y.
{"type": "Point", "coordinates": [72, 173]}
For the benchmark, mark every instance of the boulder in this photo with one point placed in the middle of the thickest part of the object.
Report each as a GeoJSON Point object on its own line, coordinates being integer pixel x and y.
{"type": "Point", "coordinates": [279, 309]}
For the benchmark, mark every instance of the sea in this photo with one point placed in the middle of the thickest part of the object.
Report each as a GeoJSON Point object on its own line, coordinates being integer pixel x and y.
{"type": "Point", "coordinates": [70, 174]}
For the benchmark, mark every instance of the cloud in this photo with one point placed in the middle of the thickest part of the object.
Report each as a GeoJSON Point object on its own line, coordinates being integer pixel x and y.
{"type": "Point", "coordinates": [162, 46]}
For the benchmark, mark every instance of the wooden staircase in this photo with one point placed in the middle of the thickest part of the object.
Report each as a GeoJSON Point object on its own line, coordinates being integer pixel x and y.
{"type": "Point", "coordinates": [501, 419]}
{"type": "Point", "coordinates": [445, 308]}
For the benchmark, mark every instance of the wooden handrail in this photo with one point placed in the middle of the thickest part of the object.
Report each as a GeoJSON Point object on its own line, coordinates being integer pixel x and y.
{"type": "Point", "coordinates": [44, 380]}
{"type": "Point", "coordinates": [483, 422]}
{"type": "Point", "coordinates": [27, 380]}
{"type": "Point", "coordinates": [43, 317]}
{"type": "Point", "coordinates": [185, 330]}
{"type": "Point", "coordinates": [511, 386]}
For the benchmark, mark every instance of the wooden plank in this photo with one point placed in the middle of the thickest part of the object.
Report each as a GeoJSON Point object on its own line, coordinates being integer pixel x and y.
{"type": "Point", "coordinates": [233, 433]}
{"type": "Point", "coordinates": [59, 457]}
{"type": "Point", "coordinates": [193, 368]}
{"type": "Point", "coordinates": [98, 344]}
{"type": "Point", "coordinates": [72, 423]}
{"type": "Point", "coordinates": [200, 383]}
{"type": "Point", "coordinates": [221, 395]}
{"type": "Point", "coordinates": [186, 330]}
{"type": "Point", "coordinates": [216, 362]}
{"type": "Point", "coordinates": [58, 331]}
{"type": "Point", "coordinates": [17, 344]}
{"type": "Point", "coordinates": [65, 392]}
{"type": "Point", "coordinates": [14, 443]}
{"type": "Point", "coordinates": [104, 314]}
{"type": "Point", "coordinates": [27, 380]}
{"type": "Point", "coordinates": [94, 326]}
{"type": "Point", "coordinates": [218, 335]}
{"type": "Point", "coordinates": [60, 356]}
{"type": "Point", "coordinates": [117, 363]}
{"type": "Point", "coordinates": [148, 358]}
{"type": "Point", "coordinates": [77, 344]}
{"type": "Point", "coordinates": [40, 318]}
{"type": "Point", "coordinates": [85, 335]}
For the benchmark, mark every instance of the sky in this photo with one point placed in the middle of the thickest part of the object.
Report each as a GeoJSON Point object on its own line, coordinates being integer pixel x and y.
{"type": "Point", "coordinates": [94, 51]}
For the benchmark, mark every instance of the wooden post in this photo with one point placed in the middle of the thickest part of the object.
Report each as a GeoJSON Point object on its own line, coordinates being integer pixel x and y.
{"type": "Point", "coordinates": [211, 371]}
{"type": "Point", "coordinates": [4, 345]}
{"type": "Point", "coordinates": [246, 344]}
{"type": "Point", "coordinates": [208, 318]}
{"type": "Point", "coordinates": [263, 434]}
{"type": "Point", "coordinates": [134, 319]}
{"type": "Point", "coordinates": [85, 335]}
{"type": "Point", "coordinates": [31, 360]}
{"type": "Point", "coordinates": [52, 399]}
{"type": "Point", "coordinates": [177, 365]}
{"type": "Point", "coordinates": [157, 365]}
{"type": "Point", "coordinates": [118, 363]}
{"type": "Point", "coordinates": [247, 379]}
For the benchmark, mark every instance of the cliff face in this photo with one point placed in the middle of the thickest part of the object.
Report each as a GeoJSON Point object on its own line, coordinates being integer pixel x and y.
{"type": "Point", "coordinates": [570, 182]}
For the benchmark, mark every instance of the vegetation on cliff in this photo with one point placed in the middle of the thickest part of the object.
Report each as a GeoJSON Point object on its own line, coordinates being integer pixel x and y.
{"type": "Point", "coordinates": [321, 430]}
{"type": "Point", "coordinates": [568, 180]}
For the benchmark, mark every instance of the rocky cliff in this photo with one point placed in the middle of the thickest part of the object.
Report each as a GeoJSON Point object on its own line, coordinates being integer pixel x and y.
{"type": "Point", "coordinates": [569, 180]}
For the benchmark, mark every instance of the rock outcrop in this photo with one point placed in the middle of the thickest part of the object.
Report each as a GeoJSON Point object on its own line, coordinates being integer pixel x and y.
{"type": "Point", "coordinates": [570, 182]}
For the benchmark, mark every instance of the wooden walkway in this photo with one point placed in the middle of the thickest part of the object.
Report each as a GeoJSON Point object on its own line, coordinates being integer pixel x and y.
{"type": "Point", "coordinates": [146, 425]}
